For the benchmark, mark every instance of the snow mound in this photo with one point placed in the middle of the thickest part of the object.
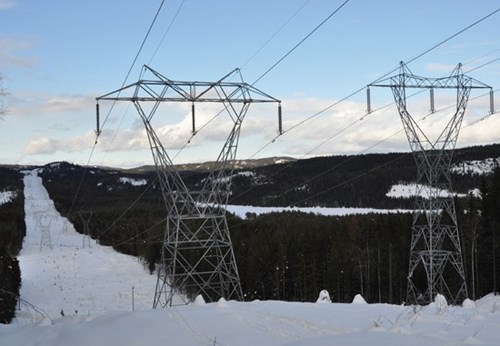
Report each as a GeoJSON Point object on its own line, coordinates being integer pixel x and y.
{"type": "Point", "coordinates": [324, 297]}
{"type": "Point", "coordinates": [222, 303]}
{"type": "Point", "coordinates": [199, 300]}
{"type": "Point", "coordinates": [358, 299]}
{"type": "Point", "coordinates": [441, 303]}
{"type": "Point", "coordinates": [468, 304]}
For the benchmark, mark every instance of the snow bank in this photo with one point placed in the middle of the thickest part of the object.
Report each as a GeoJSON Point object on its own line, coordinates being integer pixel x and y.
{"type": "Point", "coordinates": [269, 323]}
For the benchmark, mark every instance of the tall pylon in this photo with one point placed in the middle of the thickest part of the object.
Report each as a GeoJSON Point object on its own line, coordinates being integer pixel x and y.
{"type": "Point", "coordinates": [197, 254]}
{"type": "Point", "coordinates": [436, 264]}
{"type": "Point", "coordinates": [85, 216]}
{"type": "Point", "coordinates": [44, 222]}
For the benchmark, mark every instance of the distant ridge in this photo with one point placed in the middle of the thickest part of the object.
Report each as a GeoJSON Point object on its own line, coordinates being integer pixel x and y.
{"type": "Point", "coordinates": [209, 165]}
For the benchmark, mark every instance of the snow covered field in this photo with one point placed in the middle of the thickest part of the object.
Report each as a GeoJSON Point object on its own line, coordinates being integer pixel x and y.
{"type": "Point", "coordinates": [92, 286]}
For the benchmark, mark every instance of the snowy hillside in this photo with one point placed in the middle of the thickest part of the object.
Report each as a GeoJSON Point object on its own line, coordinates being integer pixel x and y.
{"type": "Point", "coordinates": [92, 287]}
{"type": "Point", "coordinates": [410, 190]}
{"type": "Point", "coordinates": [64, 272]}
{"type": "Point", "coordinates": [476, 167]}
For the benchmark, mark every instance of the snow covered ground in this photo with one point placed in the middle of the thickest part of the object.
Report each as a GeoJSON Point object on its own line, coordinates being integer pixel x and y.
{"type": "Point", "coordinates": [92, 285]}
{"type": "Point", "coordinates": [64, 272]}
{"type": "Point", "coordinates": [476, 167]}
{"type": "Point", "coordinates": [410, 190]}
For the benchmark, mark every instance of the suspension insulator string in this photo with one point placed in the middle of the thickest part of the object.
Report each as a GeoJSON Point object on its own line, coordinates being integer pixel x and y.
{"type": "Point", "coordinates": [433, 110]}
{"type": "Point", "coordinates": [280, 121]}
{"type": "Point", "coordinates": [368, 101]}
{"type": "Point", "coordinates": [98, 123]}
{"type": "Point", "coordinates": [193, 132]}
{"type": "Point", "coordinates": [492, 102]}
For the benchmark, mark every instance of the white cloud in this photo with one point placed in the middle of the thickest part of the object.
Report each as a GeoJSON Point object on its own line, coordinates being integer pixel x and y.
{"type": "Point", "coordinates": [441, 68]}
{"type": "Point", "coordinates": [9, 56]}
{"type": "Point", "coordinates": [7, 4]}
{"type": "Point", "coordinates": [36, 103]}
{"type": "Point", "coordinates": [46, 145]}
{"type": "Point", "coordinates": [344, 129]}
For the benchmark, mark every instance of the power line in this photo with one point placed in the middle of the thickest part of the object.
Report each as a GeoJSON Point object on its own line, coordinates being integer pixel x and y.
{"type": "Point", "coordinates": [135, 59]}
{"type": "Point", "coordinates": [365, 150]}
{"type": "Point", "coordinates": [352, 94]}
{"type": "Point", "coordinates": [277, 62]}
{"type": "Point", "coordinates": [275, 34]}
{"type": "Point", "coordinates": [340, 101]}
{"type": "Point", "coordinates": [485, 64]}
{"type": "Point", "coordinates": [112, 106]}
{"type": "Point", "coordinates": [167, 31]}
{"type": "Point", "coordinates": [302, 122]}
{"type": "Point", "coordinates": [222, 110]}
{"type": "Point", "coordinates": [300, 42]}
{"type": "Point", "coordinates": [452, 36]}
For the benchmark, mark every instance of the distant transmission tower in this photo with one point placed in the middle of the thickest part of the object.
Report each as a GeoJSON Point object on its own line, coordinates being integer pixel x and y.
{"type": "Point", "coordinates": [85, 216]}
{"type": "Point", "coordinates": [44, 222]}
{"type": "Point", "coordinates": [197, 255]}
{"type": "Point", "coordinates": [436, 264]}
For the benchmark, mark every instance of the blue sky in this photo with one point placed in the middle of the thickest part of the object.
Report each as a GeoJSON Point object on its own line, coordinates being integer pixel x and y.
{"type": "Point", "coordinates": [57, 56]}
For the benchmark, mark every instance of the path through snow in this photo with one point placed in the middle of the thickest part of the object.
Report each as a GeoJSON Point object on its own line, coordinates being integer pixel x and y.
{"type": "Point", "coordinates": [72, 278]}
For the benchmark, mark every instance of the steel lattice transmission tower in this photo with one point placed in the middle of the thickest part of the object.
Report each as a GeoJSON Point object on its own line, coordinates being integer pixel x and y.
{"type": "Point", "coordinates": [197, 255]}
{"type": "Point", "coordinates": [436, 264]}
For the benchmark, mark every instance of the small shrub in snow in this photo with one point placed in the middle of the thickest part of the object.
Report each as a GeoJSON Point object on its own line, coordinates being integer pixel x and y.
{"type": "Point", "coordinates": [199, 300]}
{"type": "Point", "coordinates": [441, 303]}
{"type": "Point", "coordinates": [468, 304]}
{"type": "Point", "coordinates": [222, 303]}
{"type": "Point", "coordinates": [324, 297]}
{"type": "Point", "coordinates": [358, 299]}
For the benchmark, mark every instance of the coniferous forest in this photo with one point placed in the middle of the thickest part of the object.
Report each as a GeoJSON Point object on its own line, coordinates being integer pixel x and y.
{"type": "Point", "coordinates": [12, 231]}
{"type": "Point", "coordinates": [291, 255]}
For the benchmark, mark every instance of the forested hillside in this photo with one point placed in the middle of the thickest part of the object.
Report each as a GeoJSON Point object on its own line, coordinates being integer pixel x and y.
{"type": "Point", "coordinates": [12, 231]}
{"type": "Point", "coordinates": [294, 255]}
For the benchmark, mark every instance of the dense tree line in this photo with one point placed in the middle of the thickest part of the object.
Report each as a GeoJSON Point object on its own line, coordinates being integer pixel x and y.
{"type": "Point", "coordinates": [12, 231]}
{"type": "Point", "coordinates": [293, 256]}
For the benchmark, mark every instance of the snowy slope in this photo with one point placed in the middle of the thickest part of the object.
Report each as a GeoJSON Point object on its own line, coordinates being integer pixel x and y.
{"type": "Point", "coordinates": [274, 323]}
{"type": "Point", "coordinates": [76, 276]}
{"type": "Point", "coordinates": [98, 281]}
